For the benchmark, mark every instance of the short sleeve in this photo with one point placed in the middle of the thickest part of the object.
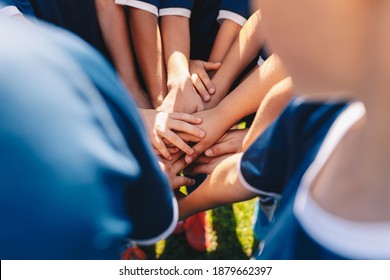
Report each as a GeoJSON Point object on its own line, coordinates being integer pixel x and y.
{"type": "Point", "coordinates": [151, 6]}
{"type": "Point", "coordinates": [10, 11]}
{"type": "Point", "coordinates": [235, 10]}
{"type": "Point", "coordinates": [263, 166]}
{"type": "Point", "coordinates": [16, 7]}
{"type": "Point", "coordinates": [176, 8]}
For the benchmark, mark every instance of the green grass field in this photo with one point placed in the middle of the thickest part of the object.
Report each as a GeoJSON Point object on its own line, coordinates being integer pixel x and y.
{"type": "Point", "coordinates": [232, 237]}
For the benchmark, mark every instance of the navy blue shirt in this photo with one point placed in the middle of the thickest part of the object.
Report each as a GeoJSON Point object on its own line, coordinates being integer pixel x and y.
{"type": "Point", "coordinates": [77, 16]}
{"type": "Point", "coordinates": [203, 16]}
{"type": "Point", "coordinates": [23, 6]}
{"type": "Point", "coordinates": [77, 173]}
{"type": "Point", "coordinates": [302, 229]}
{"type": "Point", "coordinates": [275, 163]}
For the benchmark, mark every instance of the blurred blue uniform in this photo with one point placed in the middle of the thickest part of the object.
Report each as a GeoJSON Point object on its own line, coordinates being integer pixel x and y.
{"type": "Point", "coordinates": [275, 163]}
{"type": "Point", "coordinates": [282, 165]}
{"type": "Point", "coordinates": [76, 16]}
{"type": "Point", "coordinates": [204, 16]}
{"type": "Point", "coordinates": [77, 175]}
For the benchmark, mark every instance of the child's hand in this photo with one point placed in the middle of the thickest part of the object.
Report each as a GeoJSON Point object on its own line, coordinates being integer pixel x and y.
{"type": "Point", "coordinates": [161, 125]}
{"type": "Point", "coordinates": [172, 168]}
{"type": "Point", "coordinates": [214, 126]}
{"type": "Point", "coordinates": [182, 97]}
{"type": "Point", "coordinates": [201, 79]}
{"type": "Point", "coordinates": [228, 145]}
{"type": "Point", "coordinates": [205, 165]}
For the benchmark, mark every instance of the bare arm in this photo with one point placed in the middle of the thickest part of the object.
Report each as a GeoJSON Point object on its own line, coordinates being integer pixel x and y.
{"type": "Point", "coordinates": [201, 71]}
{"type": "Point", "coordinates": [148, 47]}
{"type": "Point", "coordinates": [182, 96]}
{"type": "Point", "coordinates": [227, 34]}
{"type": "Point", "coordinates": [112, 22]}
{"type": "Point", "coordinates": [244, 49]}
{"type": "Point", "coordinates": [244, 100]}
{"type": "Point", "coordinates": [220, 188]}
{"type": "Point", "coordinates": [271, 107]}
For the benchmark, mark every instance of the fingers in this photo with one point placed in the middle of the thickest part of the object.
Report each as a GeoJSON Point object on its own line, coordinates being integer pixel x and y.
{"type": "Point", "coordinates": [173, 150]}
{"type": "Point", "coordinates": [186, 117]}
{"type": "Point", "coordinates": [198, 150]}
{"type": "Point", "coordinates": [179, 181]}
{"type": "Point", "coordinates": [178, 142]}
{"type": "Point", "coordinates": [186, 128]}
{"type": "Point", "coordinates": [205, 79]}
{"type": "Point", "coordinates": [220, 149]}
{"type": "Point", "coordinates": [201, 169]}
{"type": "Point", "coordinates": [178, 165]}
{"type": "Point", "coordinates": [160, 147]}
{"type": "Point", "coordinates": [200, 87]}
{"type": "Point", "coordinates": [188, 137]}
{"type": "Point", "coordinates": [212, 66]}
{"type": "Point", "coordinates": [202, 160]}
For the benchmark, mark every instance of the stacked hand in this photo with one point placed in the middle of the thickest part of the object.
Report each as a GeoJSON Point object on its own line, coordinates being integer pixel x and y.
{"type": "Point", "coordinates": [163, 126]}
{"type": "Point", "coordinates": [228, 145]}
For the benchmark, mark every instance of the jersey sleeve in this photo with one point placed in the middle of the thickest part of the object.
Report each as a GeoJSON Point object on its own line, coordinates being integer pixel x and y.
{"type": "Point", "coordinates": [176, 8]}
{"type": "Point", "coordinates": [264, 166]}
{"type": "Point", "coordinates": [16, 7]}
{"type": "Point", "coordinates": [151, 6]}
{"type": "Point", "coordinates": [235, 10]}
{"type": "Point", "coordinates": [9, 11]}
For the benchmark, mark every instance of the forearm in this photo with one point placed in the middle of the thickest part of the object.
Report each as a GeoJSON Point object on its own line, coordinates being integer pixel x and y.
{"type": "Point", "coordinates": [220, 188]}
{"type": "Point", "coordinates": [114, 29]}
{"type": "Point", "coordinates": [245, 48]}
{"type": "Point", "coordinates": [247, 97]}
{"type": "Point", "coordinates": [271, 107]}
{"type": "Point", "coordinates": [147, 42]}
{"type": "Point", "coordinates": [176, 41]}
{"type": "Point", "coordinates": [227, 34]}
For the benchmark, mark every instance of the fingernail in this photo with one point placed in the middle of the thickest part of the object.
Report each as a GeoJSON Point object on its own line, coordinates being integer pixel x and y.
{"type": "Point", "coordinates": [202, 133]}
{"type": "Point", "coordinates": [207, 97]}
{"type": "Point", "coordinates": [190, 151]}
{"type": "Point", "coordinates": [188, 160]}
{"type": "Point", "coordinates": [170, 158]}
{"type": "Point", "coordinates": [211, 90]}
{"type": "Point", "coordinates": [209, 153]}
{"type": "Point", "coordinates": [193, 182]}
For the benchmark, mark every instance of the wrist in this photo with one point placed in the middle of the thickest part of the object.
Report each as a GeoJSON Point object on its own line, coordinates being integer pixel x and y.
{"type": "Point", "coordinates": [178, 80]}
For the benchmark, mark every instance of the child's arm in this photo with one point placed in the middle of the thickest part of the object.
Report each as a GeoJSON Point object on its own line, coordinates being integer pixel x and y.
{"type": "Point", "coordinates": [271, 107]}
{"type": "Point", "coordinates": [182, 96]}
{"type": "Point", "coordinates": [227, 34]}
{"type": "Point", "coordinates": [148, 47]}
{"type": "Point", "coordinates": [232, 16]}
{"type": "Point", "coordinates": [244, 100]}
{"type": "Point", "coordinates": [220, 188]}
{"type": "Point", "coordinates": [245, 48]}
{"type": "Point", "coordinates": [112, 22]}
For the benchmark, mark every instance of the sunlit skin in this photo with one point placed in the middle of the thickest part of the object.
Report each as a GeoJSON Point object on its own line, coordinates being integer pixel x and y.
{"type": "Point", "coordinates": [331, 49]}
{"type": "Point", "coordinates": [339, 49]}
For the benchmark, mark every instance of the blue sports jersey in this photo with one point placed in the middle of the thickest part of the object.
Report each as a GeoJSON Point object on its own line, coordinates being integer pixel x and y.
{"type": "Point", "coordinates": [303, 229]}
{"type": "Point", "coordinates": [231, 9]}
{"type": "Point", "coordinates": [203, 16]}
{"type": "Point", "coordinates": [23, 6]}
{"type": "Point", "coordinates": [77, 173]}
{"type": "Point", "coordinates": [77, 16]}
{"type": "Point", "coordinates": [276, 161]}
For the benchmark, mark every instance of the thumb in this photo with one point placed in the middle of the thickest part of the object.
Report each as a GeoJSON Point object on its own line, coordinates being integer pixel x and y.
{"type": "Point", "coordinates": [199, 148]}
{"type": "Point", "coordinates": [212, 66]}
{"type": "Point", "coordinates": [220, 149]}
